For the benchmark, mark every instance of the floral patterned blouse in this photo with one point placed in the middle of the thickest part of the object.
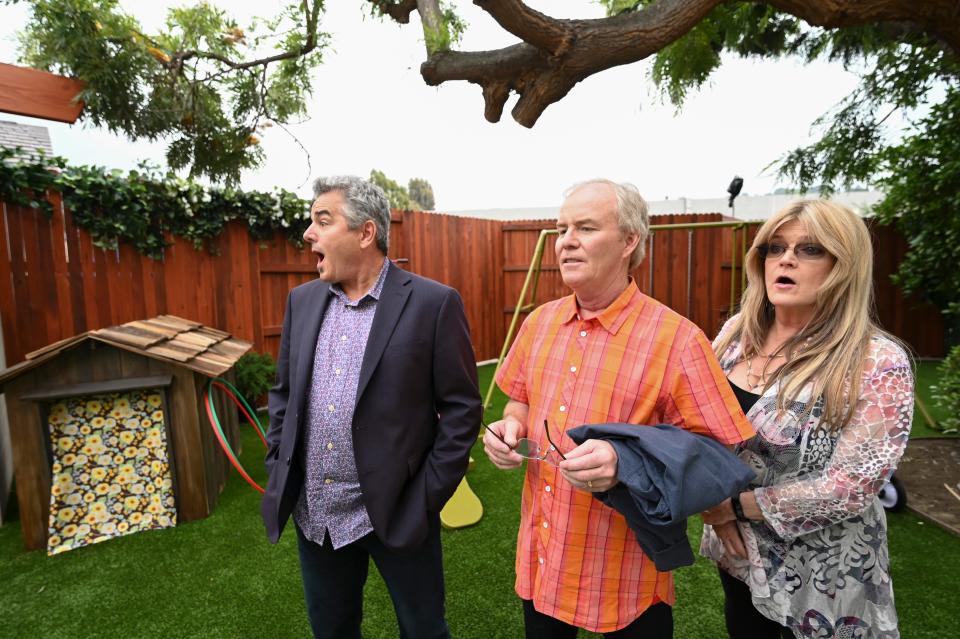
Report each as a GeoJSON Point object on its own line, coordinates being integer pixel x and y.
{"type": "Point", "coordinates": [819, 562]}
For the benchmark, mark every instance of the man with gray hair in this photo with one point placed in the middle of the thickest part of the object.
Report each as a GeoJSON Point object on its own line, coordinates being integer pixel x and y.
{"type": "Point", "coordinates": [607, 353]}
{"type": "Point", "coordinates": [372, 418]}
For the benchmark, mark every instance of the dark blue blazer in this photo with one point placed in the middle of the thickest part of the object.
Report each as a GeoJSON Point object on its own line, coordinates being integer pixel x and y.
{"type": "Point", "coordinates": [417, 411]}
{"type": "Point", "coordinates": [666, 474]}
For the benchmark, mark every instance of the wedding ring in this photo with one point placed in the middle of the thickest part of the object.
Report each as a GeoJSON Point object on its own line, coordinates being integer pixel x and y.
{"type": "Point", "coordinates": [589, 484]}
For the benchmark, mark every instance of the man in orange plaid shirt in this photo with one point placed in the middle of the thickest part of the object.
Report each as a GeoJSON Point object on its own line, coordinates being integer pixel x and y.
{"type": "Point", "coordinates": [607, 353]}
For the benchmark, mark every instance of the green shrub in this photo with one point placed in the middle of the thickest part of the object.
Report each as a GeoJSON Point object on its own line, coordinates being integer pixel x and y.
{"type": "Point", "coordinates": [255, 373]}
{"type": "Point", "coordinates": [946, 392]}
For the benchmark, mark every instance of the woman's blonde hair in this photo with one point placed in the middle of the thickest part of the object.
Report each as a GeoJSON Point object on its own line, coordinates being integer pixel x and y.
{"type": "Point", "coordinates": [829, 351]}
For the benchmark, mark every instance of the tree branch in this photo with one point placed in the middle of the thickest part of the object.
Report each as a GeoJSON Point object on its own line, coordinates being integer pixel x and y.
{"type": "Point", "coordinates": [179, 57]}
{"type": "Point", "coordinates": [311, 20]}
{"type": "Point", "coordinates": [557, 54]}
{"type": "Point", "coordinates": [431, 18]}
{"type": "Point", "coordinates": [533, 27]}
{"type": "Point", "coordinates": [940, 18]}
{"type": "Point", "coordinates": [398, 11]}
{"type": "Point", "coordinates": [576, 49]}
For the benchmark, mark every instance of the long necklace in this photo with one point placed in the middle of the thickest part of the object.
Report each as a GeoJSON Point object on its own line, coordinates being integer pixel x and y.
{"type": "Point", "coordinates": [760, 379]}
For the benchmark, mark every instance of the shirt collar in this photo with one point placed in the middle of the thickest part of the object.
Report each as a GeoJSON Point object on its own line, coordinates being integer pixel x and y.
{"type": "Point", "coordinates": [613, 316]}
{"type": "Point", "coordinates": [373, 293]}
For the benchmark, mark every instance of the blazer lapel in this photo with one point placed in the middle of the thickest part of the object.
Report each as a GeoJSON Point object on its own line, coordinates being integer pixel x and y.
{"type": "Point", "coordinates": [309, 330]}
{"type": "Point", "coordinates": [393, 298]}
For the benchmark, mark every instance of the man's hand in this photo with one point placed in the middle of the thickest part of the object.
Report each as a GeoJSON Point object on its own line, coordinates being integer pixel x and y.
{"type": "Point", "coordinates": [502, 454]}
{"type": "Point", "coordinates": [591, 466]}
{"type": "Point", "coordinates": [729, 534]}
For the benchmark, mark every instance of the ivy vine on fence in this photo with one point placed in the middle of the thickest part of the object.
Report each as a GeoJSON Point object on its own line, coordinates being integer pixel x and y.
{"type": "Point", "coordinates": [144, 205]}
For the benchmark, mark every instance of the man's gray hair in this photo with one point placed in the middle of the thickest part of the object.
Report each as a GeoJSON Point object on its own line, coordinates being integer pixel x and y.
{"type": "Point", "coordinates": [362, 201]}
{"type": "Point", "coordinates": [632, 213]}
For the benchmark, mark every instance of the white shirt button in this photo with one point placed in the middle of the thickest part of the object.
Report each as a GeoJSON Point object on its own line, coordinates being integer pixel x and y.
{"type": "Point", "coordinates": [540, 560]}
{"type": "Point", "coordinates": [328, 481]}
{"type": "Point", "coordinates": [329, 445]}
{"type": "Point", "coordinates": [573, 369]}
{"type": "Point", "coordinates": [343, 338]}
{"type": "Point", "coordinates": [583, 333]}
{"type": "Point", "coordinates": [331, 408]}
{"type": "Point", "coordinates": [545, 525]}
{"type": "Point", "coordinates": [548, 489]}
{"type": "Point", "coordinates": [563, 409]}
{"type": "Point", "coordinates": [337, 372]}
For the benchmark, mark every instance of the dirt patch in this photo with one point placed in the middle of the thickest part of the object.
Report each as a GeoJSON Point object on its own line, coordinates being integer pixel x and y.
{"type": "Point", "coordinates": [926, 466]}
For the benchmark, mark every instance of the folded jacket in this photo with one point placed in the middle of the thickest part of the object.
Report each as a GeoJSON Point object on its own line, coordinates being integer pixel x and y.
{"type": "Point", "coordinates": [666, 474]}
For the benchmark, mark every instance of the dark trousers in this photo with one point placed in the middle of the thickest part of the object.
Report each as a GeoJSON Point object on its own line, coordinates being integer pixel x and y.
{"type": "Point", "coordinates": [656, 622]}
{"type": "Point", "coordinates": [744, 621]}
{"type": "Point", "coordinates": [333, 583]}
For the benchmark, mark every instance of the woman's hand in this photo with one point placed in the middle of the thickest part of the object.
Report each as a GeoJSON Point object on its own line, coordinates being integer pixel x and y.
{"type": "Point", "coordinates": [591, 466]}
{"type": "Point", "coordinates": [729, 535]}
{"type": "Point", "coordinates": [719, 514]}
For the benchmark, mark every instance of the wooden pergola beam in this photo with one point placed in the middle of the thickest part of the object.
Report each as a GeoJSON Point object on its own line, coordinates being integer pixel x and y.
{"type": "Point", "coordinates": [39, 94]}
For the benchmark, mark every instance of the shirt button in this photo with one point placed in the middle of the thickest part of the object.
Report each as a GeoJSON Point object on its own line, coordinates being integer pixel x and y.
{"type": "Point", "coordinates": [337, 372]}
{"type": "Point", "coordinates": [329, 445]}
{"type": "Point", "coordinates": [331, 408]}
{"type": "Point", "coordinates": [563, 409]}
{"type": "Point", "coordinates": [545, 525]}
{"type": "Point", "coordinates": [343, 338]}
{"type": "Point", "coordinates": [583, 333]}
{"type": "Point", "coordinates": [573, 369]}
{"type": "Point", "coordinates": [548, 489]}
{"type": "Point", "coordinates": [328, 481]}
{"type": "Point", "coordinates": [540, 560]}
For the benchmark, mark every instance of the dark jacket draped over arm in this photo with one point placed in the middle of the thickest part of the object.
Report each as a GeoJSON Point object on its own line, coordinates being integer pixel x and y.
{"type": "Point", "coordinates": [666, 474]}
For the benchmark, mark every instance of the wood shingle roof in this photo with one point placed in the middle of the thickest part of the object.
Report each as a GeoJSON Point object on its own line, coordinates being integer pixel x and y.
{"type": "Point", "coordinates": [166, 337]}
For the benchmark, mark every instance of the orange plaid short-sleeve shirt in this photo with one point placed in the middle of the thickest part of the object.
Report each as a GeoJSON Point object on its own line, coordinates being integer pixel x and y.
{"type": "Point", "coordinates": [638, 362]}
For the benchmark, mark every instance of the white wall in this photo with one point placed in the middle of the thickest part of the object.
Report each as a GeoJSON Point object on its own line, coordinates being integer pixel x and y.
{"type": "Point", "coordinates": [746, 207]}
{"type": "Point", "coordinates": [758, 207]}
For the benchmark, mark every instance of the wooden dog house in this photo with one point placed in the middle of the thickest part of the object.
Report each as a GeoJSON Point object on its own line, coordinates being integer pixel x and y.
{"type": "Point", "coordinates": [173, 358]}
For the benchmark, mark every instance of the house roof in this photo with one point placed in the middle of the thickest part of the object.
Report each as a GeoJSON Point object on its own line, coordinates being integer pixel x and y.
{"type": "Point", "coordinates": [31, 139]}
{"type": "Point", "coordinates": [166, 337]}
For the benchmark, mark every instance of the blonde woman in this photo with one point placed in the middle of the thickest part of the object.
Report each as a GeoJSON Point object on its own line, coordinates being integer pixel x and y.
{"type": "Point", "coordinates": [804, 552]}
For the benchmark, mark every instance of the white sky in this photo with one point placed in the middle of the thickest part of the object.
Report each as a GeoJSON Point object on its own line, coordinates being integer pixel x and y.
{"type": "Point", "coordinates": [371, 109]}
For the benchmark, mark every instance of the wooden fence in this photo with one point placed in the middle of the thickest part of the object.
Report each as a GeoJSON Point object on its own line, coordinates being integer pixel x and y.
{"type": "Point", "coordinates": [689, 270]}
{"type": "Point", "coordinates": [691, 274]}
{"type": "Point", "coordinates": [54, 283]}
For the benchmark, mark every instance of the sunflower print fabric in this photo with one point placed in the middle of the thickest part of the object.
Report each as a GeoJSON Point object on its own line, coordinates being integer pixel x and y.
{"type": "Point", "coordinates": [111, 470]}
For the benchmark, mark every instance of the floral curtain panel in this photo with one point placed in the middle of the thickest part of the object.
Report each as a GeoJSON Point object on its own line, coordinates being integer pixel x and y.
{"type": "Point", "coordinates": [111, 469]}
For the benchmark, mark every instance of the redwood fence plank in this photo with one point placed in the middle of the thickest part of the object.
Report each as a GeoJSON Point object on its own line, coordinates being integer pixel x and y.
{"type": "Point", "coordinates": [8, 303]}
{"type": "Point", "coordinates": [74, 273]}
{"type": "Point", "coordinates": [39, 94]}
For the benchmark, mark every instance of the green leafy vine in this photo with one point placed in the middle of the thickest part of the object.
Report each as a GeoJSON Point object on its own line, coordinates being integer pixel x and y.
{"type": "Point", "coordinates": [144, 206]}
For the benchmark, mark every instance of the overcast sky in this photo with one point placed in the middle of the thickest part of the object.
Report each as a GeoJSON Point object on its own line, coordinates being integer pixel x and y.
{"type": "Point", "coordinates": [371, 109]}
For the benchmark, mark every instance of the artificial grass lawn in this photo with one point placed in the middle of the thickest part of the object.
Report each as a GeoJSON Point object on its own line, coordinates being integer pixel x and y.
{"type": "Point", "coordinates": [926, 376]}
{"type": "Point", "coordinates": [220, 577]}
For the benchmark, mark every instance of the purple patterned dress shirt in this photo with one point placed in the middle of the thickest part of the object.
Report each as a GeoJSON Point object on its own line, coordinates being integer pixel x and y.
{"type": "Point", "coordinates": [331, 501]}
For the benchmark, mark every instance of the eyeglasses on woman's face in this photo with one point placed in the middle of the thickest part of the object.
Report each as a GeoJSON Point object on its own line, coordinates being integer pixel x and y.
{"type": "Point", "coordinates": [806, 251]}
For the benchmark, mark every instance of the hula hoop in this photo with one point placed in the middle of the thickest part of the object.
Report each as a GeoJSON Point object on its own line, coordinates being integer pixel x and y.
{"type": "Point", "coordinates": [248, 412]}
